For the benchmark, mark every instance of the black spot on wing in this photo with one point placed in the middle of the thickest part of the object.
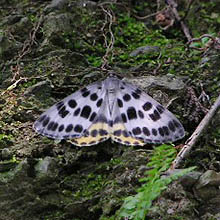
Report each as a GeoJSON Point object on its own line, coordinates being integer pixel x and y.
{"type": "Point", "coordinates": [125, 133]}
{"type": "Point", "coordinates": [50, 125]}
{"type": "Point", "coordinates": [78, 128]}
{"type": "Point", "coordinates": [55, 125]}
{"type": "Point", "coordinates": [63, 112]}
{"type": "Point", "coordinates": [69, 128]}
{"type": "Point", "coordinates": [135, 95]}
{"type": "Point", "coordinates": [140, 114]}
{"type": "Point", "coordinates": [72, 103]}
{"type": "Point", "coordinates": [136, 131]}
{"type": "Point", "coordinates": [161, 132]}
{"type": "Point", "coordinates": [120, 103]}
{"type": "Point", "coordinates": [94, 133]}
{"type": "Point", "coordinates": [85, 113]}
{"type": "Point", "coordinates": [131, 113]}
{"type": "Point", "coordinates": [117, 133]}
{"type": "Point", "coordinates": [99, 102]}
{"type": "Point", "coordinates": [154, 132]}
{"type": "Point", "coordinates": [61, 128]}
{"type": "Point", "coordinates": [147, 106]}
{"type": "Point", "coordinates": [126, 97]}
{"type": "Point", "coordinates": [166, 130]}
{"type": "Point", "coordinates": [155, 115]}
{"type": "Point", "coordinates": [146, 131]}
{"type": "Point", "coordinates": [92, 117]}
{"type": "Point", "coordinates": [46, 121]}
{"type": "Point", "coordinates": [124, 118]}
{"type": "Point", "coordinates": [93, 97]}
{"type": "Point", "coordinates": [42, 118]}
{"type": "Point", "coordinates": [85, 94]}
{"type": "Point", "coordinates": [102, 132]}
{"type": "Point", "coordinates": [76, 112]}
{"type": "Point", "coordinates": [110, 123]}
{"type": "Point", "coordinates": [171, 126]}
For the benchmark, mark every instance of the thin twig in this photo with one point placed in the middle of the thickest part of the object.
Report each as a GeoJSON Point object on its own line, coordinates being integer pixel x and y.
{"type": "Point", "coordinates": [214, 41]}
{"type": "Point", "coordinates": [26, 49]}
{"type": "Point", "coordinates": [195, 136]}
{"type": "Point", "coordinates": [30, 41]}
{"type": "Point", "coordinates": [150, 15]}
{"type": "Point", "coordinates": [109, 18]}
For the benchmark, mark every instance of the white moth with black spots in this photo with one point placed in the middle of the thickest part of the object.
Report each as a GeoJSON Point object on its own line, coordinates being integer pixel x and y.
{"type": "Point", "coordinates": [112, 109]}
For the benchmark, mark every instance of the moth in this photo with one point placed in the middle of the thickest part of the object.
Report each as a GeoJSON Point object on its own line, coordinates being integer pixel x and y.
{"type": "Point", "coordinates": [112, 109]}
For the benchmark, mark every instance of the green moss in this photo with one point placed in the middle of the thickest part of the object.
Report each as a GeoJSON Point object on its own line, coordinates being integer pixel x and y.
{"type": "Point", "coordinates": [90, 185]}
{"type": "Point", "coordinates": [7, 168]}
{"type": "Point", "coordinates": [6, 140]}
{"type": "Point", "coordinates": [115, 161]}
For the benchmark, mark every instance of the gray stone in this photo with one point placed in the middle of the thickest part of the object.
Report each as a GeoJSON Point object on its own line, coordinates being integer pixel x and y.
{"type": "Point", "coordinates": [209, 178]}
{"type": "Point", "coordinates": [145, 50]}
{"type": "Point", "coordinates": [6, 154]}
{"type": "Point", "coordinates": [57, 23]}
{"type": "Point", "coordinates": [207, 187]}
{"type": "Point", "coordinates": [167, 82]}
{"type": "Point", "coordinates": [46, 167]}
{"type": "Point", "coordinates": [189, 179]}
{"type": "Point", "coordinates": [57, 4]}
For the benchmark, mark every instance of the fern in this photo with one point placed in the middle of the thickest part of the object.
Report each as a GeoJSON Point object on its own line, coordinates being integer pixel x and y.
{"type": "Point", "coordinates": [136, 207]}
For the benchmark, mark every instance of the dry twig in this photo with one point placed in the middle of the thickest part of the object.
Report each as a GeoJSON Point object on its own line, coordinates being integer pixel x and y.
{"type": "Point", "coordinates": [109, 18]}
{"type": "Point", "coordinates": [26, 49]}
{"type": "Point", "coordinates": [195, 136]}
{"type": "Point", "coordinates": [29, 42]}
{"type": "Point", "coordinates": [148, 16]}
{"type": "Point", "coordinates": [213, 42]}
